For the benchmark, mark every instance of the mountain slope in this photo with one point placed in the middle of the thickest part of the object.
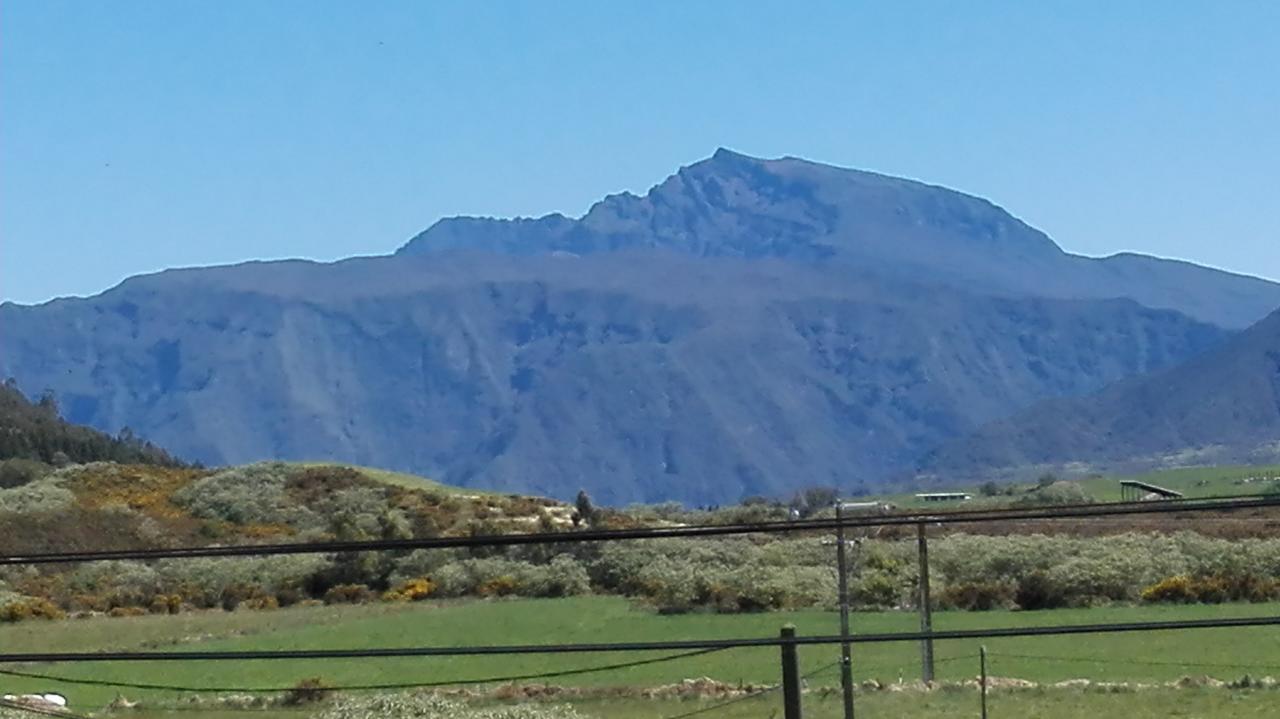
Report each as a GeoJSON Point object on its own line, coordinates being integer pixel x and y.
{"type": "Point", "coordinates": [747, 327]}
{"type": "Point", "coordinates": [640, 377]}
{"type": "Point", "coordinates": [1223, 406]}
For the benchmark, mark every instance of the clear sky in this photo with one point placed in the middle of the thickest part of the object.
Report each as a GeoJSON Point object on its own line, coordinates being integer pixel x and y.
{"type": "Point", "coordinates": [148, 134]}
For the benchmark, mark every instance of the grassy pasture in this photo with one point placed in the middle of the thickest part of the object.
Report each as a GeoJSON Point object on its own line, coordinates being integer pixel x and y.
{"type": "Point", "coordinates": [1033, 704]}
{"type": "Point", "coordinates": [1163, 656]}
{"type": "Point", "coordinates": [399, 479]}
{"type": "Point", "coordinates": [1192, 482]}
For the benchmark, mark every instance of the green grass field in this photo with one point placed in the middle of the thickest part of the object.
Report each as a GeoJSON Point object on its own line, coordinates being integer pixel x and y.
{"type": "Point", "coordinates": [1033, 704]}
{"type": "Point", "coordinates": [1162, 656]}
{"type": "Point", "coordinates": [1192, 482]}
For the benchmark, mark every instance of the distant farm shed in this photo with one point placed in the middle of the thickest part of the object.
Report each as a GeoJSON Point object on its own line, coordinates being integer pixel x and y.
{"type": "Point", "coordinates": [943, 497]}
{"type": "Point", "coordinates": [1131, 490]}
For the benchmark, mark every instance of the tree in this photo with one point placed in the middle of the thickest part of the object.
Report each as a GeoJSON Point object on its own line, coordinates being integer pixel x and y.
{"type": "Point", "coordinates": [812, 500]}
{"type": "Point", "coordinates": [48, 402]}
{"type": "Point", "coordinates": [586, 510]}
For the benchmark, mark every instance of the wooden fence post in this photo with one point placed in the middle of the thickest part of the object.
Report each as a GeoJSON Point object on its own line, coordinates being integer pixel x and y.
{"type": "Point", "coordinates": [926, 612]}
{"type": "Point", "coordinates": [790, 674]}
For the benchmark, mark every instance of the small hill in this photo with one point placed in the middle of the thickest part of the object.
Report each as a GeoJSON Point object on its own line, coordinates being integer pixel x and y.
{"type": "Point", "coordinates": [1220, 407]}
{"type": "Point", "coordinates": [105, 505]}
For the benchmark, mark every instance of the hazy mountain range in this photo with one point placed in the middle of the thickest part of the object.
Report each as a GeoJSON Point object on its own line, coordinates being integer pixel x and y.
{"type": "Point", "coordinates": [746, 327]}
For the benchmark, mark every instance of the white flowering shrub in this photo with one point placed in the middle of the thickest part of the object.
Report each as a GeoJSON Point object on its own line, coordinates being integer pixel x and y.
{"type": "Point", "coordinates": [563, 576]}
{"type": "Point", "coordinates": [39, 497]}
{"type": "Point", "coordinates": [253, 494]}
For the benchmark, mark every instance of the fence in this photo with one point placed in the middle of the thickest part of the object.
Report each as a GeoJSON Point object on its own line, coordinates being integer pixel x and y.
{"type": "Point", "coordinates": [787, 642]}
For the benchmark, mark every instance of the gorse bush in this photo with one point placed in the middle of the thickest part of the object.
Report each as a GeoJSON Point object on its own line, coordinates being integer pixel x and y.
{"type": "Point", "coordinates": [1183, 589]}
{"type": "Point", "coordinates": [412, 590]}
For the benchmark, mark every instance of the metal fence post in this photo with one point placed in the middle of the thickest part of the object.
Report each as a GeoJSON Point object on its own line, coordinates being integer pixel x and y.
{"type": "Point", "coordinates": [982, 654]}
{"type": "Point", "coordinates": [790, 674]}
{"type": "Point", "coordinates": [926, 612]}
{"type": "Point", "coordinates": [846, 659]}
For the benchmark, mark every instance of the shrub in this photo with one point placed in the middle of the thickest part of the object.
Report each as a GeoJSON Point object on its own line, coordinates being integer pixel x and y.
{"type": "Point", "coordinates": [206, 582]}
{"type": "Point", "coordinates": [1212, 590]}
{"type": "Point", "coordinates": [1055, 493]}
{"type": "Point", "coordinates": [262, 602]}
{"type": "Point", "coordinates": [39, 497]}
{"type": "Point", "coordinates": [165, 604]}
{"type": "Point", "coordinates": [422, 563]}
{"type": "Point", "coordinates": [562, 577]}
{"type": "Point", "coordinates": [503, 586]}
{"type": "Point", "coordinates": [126, 612]}
{"type": "Point", "coordinates": [977, 596]}
{"type": "Point", "coordinates": [410, 591]}
{"type": "Point", "coordinates": [17, 472]}
{"type": "Point", "coordinates": [307, 691]}
{"type": "Point", "coordinates": [348, 594]}
{"type": "Point", "coordinates": [494, 576]}
{"type": "Point", "coordinates": [253, 494]}
{"type": "Point", "coordinates": [24, 608]}
{"type": "Point", "coordinates": [876, 589]}
{"type": "Point", "coordinates": [1038, 591]}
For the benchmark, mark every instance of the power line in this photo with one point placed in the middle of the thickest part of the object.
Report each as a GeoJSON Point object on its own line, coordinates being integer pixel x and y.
{"type": "Point", "coordinates": [680, 645]}
{"type": "Point", "coordinates": [607, 535]}
{"type": "Point", "coordinates": [360, 687]}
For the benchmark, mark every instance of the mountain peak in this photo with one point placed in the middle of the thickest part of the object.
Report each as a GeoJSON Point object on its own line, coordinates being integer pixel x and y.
{"type": "Point", "coordinates": [738, 205]}
{"type": "Point", "coordinates": [724, 155]}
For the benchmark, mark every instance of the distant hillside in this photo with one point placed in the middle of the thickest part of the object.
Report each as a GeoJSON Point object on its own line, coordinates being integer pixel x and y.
{"type": "Point", "coordinates": [34, 431]}
{"type": "Point", "coordinates": [1223, 406]}
{"type": "Point", "coordinates": [746, 327]}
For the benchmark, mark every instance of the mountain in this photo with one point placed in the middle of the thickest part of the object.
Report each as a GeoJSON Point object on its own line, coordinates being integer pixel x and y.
{"type": "Point", "coordinates": [1220, 407]}
{"type": "Point", "coordinates": [746, 327]}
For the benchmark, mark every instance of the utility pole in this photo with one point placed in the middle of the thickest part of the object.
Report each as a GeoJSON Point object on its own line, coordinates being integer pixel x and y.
{"type": "Point", "coordinates": [926, 613]}
{"type": "Point", "coordinates": [846, 659]}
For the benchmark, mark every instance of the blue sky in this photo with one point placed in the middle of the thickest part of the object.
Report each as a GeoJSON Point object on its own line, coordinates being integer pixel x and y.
{"type": "Point", "coordinates": [141, 135]}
